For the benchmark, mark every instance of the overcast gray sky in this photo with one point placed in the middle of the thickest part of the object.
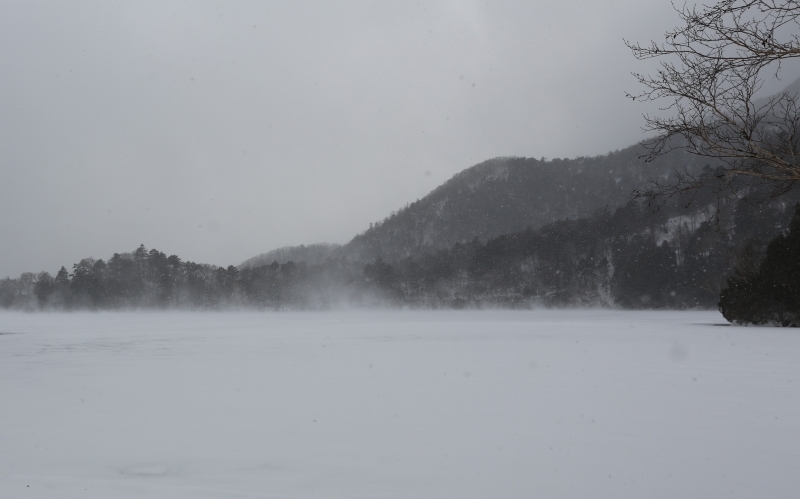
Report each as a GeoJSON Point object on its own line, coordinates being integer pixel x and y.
{"type": "Point", "coordinates": [220, 130]}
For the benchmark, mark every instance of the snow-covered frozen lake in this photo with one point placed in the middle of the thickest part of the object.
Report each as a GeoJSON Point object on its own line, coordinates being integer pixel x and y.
{"type": "Point", "coordinates": [456, 404]}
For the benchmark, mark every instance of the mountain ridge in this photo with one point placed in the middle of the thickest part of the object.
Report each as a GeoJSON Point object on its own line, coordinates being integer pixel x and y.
{"type": "Point", "coordinates": [499, 196]}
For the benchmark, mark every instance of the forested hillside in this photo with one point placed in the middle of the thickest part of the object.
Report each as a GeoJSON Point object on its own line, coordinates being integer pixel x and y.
{"type": "Point", "coordinates": [311, 253]}
{"type": "Point", "coordinates": [506, 195]}
{"type": "Point", "coordinates": [678, 256]}
{"type": "Point", "coordinates": [499, 196]}
{"type": "Point", "coordinates": [508, 232]}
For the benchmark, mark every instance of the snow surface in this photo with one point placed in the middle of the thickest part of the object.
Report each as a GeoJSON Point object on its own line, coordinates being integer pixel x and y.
{"type": "Point", "coordinates": [456, 404]}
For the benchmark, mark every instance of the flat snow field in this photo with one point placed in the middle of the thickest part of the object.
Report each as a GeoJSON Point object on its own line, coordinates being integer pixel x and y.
{"type": "Point", "coordinates": [406, 404]}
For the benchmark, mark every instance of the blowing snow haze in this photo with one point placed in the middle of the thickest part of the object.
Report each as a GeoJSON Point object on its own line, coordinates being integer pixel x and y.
{"type": "Point", "coordinates": [218, 131]}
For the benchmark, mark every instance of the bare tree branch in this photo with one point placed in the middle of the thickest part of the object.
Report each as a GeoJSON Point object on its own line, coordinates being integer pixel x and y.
{"type": "Point", "coordinates": [710, 70]}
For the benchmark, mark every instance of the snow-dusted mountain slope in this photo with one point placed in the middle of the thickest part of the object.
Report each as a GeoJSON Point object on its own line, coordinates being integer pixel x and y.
{"type": "Point", "coordinates": [499, 196]}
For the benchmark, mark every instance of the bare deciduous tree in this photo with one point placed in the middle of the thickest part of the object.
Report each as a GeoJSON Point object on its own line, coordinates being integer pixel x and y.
{"type": "Point", "coordinates": [711, 68]}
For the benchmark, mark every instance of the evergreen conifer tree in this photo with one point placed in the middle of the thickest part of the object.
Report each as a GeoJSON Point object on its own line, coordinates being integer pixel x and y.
{"type": "Point", "coordinates": [771, 295]}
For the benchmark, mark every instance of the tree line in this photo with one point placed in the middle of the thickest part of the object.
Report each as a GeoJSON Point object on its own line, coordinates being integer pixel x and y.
{"type": "Point", "coordinates": [632, 258]}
